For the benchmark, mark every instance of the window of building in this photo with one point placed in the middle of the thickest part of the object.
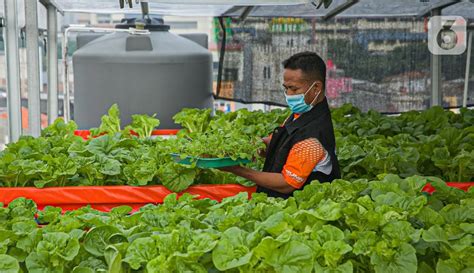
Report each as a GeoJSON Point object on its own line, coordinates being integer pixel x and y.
{"type": "Point", "coordinates": [267, 72]}
{"type": "Point", "coordinates": [230, 74]}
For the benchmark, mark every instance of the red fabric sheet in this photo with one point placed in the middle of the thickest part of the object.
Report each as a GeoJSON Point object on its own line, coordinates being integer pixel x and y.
{"type": "Point", "coordinates": [460, 185]}
{"type": "Point", "coordinates": [104, 198]}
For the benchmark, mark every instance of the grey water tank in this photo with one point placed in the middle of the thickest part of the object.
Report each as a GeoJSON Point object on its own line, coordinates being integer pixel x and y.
{"type": "Point", "coordinates": [144, 74]}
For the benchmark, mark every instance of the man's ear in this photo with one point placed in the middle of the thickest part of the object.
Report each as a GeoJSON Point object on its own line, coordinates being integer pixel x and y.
{"type": "Point", "coordinates": [318, 87]}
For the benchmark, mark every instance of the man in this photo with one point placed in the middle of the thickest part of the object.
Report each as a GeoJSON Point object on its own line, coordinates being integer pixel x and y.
{"type": "Point", "coordinates": [303, 148]}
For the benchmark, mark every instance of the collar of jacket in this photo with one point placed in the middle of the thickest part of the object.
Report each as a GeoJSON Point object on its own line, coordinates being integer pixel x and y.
{"type": "Point", "coordinates": [318, 111]}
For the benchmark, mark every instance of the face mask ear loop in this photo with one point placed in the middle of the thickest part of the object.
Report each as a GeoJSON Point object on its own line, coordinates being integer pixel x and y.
{"type": "Point", "coordinates": [316, 95]}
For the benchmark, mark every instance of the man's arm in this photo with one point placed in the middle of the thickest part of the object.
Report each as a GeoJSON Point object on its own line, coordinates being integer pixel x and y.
{"type": "Point", "coordinates": [302, 160]}
{"type": "Point", "coordinates": [273, 181]}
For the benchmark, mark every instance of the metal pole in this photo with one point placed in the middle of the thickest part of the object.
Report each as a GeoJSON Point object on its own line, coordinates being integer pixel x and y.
{"type": "Point", "coordinates": [32, 58]}
{"type": "Point", "coordinates": [64, 49]}
{"type": "Point", "coordinates": [436, 85]}
{"type": "Point", "coordinates": [468, 67]}
{"type": "Point", "coordinates": [52, 64]}
{"type": "Point", "coordinates": [13, 70]}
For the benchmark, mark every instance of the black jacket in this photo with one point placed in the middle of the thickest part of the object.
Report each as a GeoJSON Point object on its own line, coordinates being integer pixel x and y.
{"type": "Point", "coordinates": [317, 124]}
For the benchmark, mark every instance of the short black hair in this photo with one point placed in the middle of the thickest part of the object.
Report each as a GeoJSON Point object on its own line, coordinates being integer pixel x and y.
{"type": "Point", "coordinates": [310, 63]}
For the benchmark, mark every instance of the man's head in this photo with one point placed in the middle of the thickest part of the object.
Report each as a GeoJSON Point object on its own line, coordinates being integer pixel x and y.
{"type": "Point", "coordinates": [305, 72]}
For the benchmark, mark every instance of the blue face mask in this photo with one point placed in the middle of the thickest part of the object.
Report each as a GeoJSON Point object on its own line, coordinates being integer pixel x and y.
{"type": "Point", "coordinates": [297, 104]}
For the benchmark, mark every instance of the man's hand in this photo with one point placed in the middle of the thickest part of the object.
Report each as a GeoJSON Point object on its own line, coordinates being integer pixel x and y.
{"type": "Point", "coordinates": [266, 140]}
{"type": "Point", "coordinates": [262, 152]}
{"type": "Point", "coordinates": [230, 169]}
{"type": "Point", "coordinates": [273, 181]}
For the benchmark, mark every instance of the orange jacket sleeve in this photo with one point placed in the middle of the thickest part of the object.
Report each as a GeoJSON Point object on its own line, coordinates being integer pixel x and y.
{"type": "Point", "coordinates": [301, 161]}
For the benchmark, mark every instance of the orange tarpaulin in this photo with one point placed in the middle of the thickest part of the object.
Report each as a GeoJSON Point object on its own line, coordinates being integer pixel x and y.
{"type": "Point", "coordinates": [460, 185]}
{"type": "Point", "coordinates": [105, 198]}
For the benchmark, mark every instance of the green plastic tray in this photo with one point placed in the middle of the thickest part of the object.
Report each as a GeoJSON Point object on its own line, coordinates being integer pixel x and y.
{"type": "Point", "coordinates": [206, 163]}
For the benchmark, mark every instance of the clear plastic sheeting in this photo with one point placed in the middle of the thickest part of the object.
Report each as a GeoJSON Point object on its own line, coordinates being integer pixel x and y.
{"type": "Point", "coordinates": [232, 2]}
{"type": "Point", "coordinates": [373, 63]}
{"type": "Point", "coordinates": [300, 10]}
{"type": "Point", "coordinates": [112, 6]}
{"type": "Point", "coordinates": [167, 7]}
{"type": "Point", "coordinates": [270, 8]}
{"type": "Point", "coordinates": [362, 9]}
{"type": "Point", "coordinates": [163, 9]}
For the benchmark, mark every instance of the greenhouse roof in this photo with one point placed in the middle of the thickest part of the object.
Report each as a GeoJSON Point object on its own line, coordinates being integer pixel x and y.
{"type": "Point", "coordinates": [168, 7]}
{"type": "Point", "coordinates": [364, 9]}
{"type": "Point", "coordinates": [273, 8]}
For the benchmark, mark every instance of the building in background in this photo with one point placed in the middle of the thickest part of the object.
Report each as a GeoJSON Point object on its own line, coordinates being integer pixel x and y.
{"type": "Point", "coordinates": [370, 61]}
